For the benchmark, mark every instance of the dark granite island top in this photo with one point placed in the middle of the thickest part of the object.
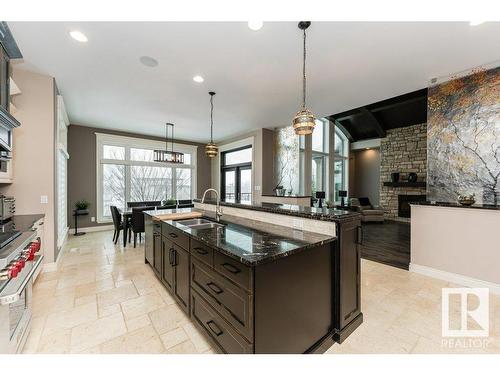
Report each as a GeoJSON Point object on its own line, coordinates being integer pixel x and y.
{"type": "Point", "coordinates": [325, 214]}
{"type": "Point", "coordinates": [247, 244]}
{"type": "Point", "coordinates": [457, 205]}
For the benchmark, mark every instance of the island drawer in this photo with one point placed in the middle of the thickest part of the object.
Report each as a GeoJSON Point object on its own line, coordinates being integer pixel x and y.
{"type": "Point", "coordinates": [175, 235]}
{"type": "Point", "coordinates": [230, 301]}
{"type": "Point", "coordinates": [157, 226]}
{"type": "Point", "coordinates": [234, 270]}
{"type": "Point", "coordinates": [202, 252]}
{"type": "Point", "coordinates": [228, 340]}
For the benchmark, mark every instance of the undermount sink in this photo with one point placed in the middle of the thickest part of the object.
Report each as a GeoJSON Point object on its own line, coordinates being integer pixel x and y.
{"type": "Point", "coordinates": [200, 224]}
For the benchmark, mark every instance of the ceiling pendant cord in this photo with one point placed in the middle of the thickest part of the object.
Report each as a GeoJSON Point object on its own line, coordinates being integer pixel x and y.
{"type": "Point", "coordinates": [211, 118]}
{"type": "Point", "coordinates": [211, 93]}
{"type": "Point", "coordinates": [304, 74]}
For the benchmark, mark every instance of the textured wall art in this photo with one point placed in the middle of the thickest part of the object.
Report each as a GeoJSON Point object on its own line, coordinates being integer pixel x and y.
{"type": "Point", "coordinates": [287, 159]}
{"type": "Point", "coordinates": [463, 138]}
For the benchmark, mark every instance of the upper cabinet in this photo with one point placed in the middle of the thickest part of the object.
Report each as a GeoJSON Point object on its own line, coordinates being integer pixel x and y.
{"type": "Point", "coordinates": [8, 51]}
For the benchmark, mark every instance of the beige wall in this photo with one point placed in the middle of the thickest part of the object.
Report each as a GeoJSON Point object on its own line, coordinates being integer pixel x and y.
{"type": "Point", "coordinates": [262, 165]}
{"type": "Point", "coordinates": [33, 152]}
{"type": "Point", "coordinates": [461, 241]}
{"type": "Point", "coordinates": [364, 174]}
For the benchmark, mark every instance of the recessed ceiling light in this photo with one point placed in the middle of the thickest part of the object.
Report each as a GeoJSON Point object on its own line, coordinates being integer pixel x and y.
{"type": "Point", "coordinates": [198, 79]}
{"type": "Point", "coordinates": [255, 25]}
{"type": "Point", "coordinates": [79, 36]}
{"type": "Point", "coordinates": [475, 23]}
{"type": "Point", "coordinates": [148, 61]}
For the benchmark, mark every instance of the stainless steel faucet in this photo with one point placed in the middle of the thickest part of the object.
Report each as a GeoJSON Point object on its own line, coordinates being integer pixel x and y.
{"type": "Point", "coordinates": [218, 211]}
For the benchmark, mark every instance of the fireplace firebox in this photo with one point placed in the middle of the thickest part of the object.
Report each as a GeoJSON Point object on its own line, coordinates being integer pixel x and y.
{"type": "Point", "coordinates": [404, 202]}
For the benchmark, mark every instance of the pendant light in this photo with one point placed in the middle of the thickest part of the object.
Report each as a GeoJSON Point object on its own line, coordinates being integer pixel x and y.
{"type": "Point", "coordinates": [211, 148]}
{"type": "Point", "coordinates": [304, 121]}
{"type": "Point", "coordinates": [166, 156]}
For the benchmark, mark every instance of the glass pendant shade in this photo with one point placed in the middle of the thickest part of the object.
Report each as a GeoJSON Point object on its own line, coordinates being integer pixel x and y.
{"type": "Point", "coordinates": [304, 122]}
{"type": "Point", "coordinates": [211, 150]}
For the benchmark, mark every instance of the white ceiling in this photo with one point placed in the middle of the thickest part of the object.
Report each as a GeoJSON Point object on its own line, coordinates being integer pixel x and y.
{"type": "Point", "coordinates": [257, 75]}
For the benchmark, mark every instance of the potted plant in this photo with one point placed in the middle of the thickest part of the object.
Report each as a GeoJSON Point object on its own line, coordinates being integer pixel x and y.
{"type": "Point", "coordinates": [169, 202]}
{"type": "Point", "coordinates": [82, 206]}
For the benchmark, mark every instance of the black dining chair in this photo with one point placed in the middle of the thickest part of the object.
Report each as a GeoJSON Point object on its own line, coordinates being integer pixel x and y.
{"type": "Point", "coordinates": [185, 203]}
{"type": "Point", "coordinates": [143, 204]}
{"type": "Point", "coordinates": [117, 222]}
{"type": "Point", "coordinates": [138, 222]}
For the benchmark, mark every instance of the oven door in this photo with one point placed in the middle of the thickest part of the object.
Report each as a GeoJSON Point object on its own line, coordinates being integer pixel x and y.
{"type": "Point", "coordinates": [15, 308]}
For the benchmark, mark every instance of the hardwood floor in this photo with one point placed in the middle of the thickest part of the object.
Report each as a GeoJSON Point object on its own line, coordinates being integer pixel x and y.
{"type": "Point", "coordinates": [387, 243]}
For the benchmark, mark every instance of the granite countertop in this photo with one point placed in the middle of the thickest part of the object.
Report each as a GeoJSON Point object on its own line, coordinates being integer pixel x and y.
{"type": "Point", "coordinates": [250, 242]}
{"type": "Point", "coordinates": [286, 196]}
{"type": "Point", "coordinates": [325, 214]}
{"type": "Point", "coordinates": [457, 205]}
{"type": "Point", "coordinates": [23, 223]}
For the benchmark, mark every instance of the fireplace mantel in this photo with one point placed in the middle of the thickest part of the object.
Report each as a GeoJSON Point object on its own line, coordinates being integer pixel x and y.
{"type": "Point", "coordinates": [406, 184]}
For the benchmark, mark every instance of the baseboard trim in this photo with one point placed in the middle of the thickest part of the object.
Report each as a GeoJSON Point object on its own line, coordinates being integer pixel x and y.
{"type": "Point", "coordinates": [455, 278]}
{"type": "Point", "coordinates": [97, 228]}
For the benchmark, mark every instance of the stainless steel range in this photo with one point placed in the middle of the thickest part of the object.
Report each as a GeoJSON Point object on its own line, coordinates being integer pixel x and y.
{"type": "Point", "coordinates": [19, 265]}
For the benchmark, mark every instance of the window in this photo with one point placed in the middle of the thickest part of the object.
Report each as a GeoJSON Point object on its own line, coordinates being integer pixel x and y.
{"type": "Point", "coordinates": [320, 139]}
{"type": "Point", "coordinates": [341, 158]}
{"type": "Point", "coordinates": [126, 172]}
{"type": "Point", "coordinates": [62, 156]}
{"type": "Point", "coordinates": [236, 175]}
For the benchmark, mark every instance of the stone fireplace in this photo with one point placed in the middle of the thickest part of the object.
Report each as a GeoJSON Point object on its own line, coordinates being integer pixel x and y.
{"type": "Point", "coordinates": [403, 150]}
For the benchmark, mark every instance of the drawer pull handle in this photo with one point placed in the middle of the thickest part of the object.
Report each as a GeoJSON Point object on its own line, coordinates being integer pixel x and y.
{"type": "Point", "coordinates": [215, 288]}
{"type": "Point", "coordinates": [217, 331]}
{"type": "Point", "coordinates": [231, 268]}
{"type": "Point", "coordinates": [173, 235]}
{"type": "Point", "coordinates": [200, 250]}
{"type": "Point", "coordinates": [170, 253]}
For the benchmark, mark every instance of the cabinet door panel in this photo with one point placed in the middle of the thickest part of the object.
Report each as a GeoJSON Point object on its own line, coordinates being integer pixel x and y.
{"type": "Point", "coordinates": [181, 284]}
{"type": "Point", "coordinates": [168, 268]}
{"type": "Point", "coordinates": [148, 236]}
{"type": "Point", "coordinates": [157, 252]}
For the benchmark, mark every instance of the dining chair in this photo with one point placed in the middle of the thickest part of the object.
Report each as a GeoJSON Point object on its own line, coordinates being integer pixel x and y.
{"type": "Point", "coordinates": [117, 222]}
{"type": "Point", "coordinates": [138, 222]}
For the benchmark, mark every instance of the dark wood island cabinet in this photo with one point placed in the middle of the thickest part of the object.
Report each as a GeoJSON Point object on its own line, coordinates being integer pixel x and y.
{"type": "Point", "coordinates": [252, 291]}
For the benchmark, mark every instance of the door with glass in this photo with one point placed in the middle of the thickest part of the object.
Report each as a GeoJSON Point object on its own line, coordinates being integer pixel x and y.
{"type": "Point", "coordinates": [236, 176]}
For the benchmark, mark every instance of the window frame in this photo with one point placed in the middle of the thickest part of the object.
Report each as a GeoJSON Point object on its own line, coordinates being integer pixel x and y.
{"type": "Point", "coordinates": [344, 158]}
{"type": "Point", "coordinates": [237, 168]}
{"type": "Point", "coordinates": [132, 142]}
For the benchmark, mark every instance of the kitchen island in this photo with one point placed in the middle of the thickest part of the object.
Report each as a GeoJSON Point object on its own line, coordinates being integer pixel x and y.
{"type": "Point", "coordinates": [253, 286]}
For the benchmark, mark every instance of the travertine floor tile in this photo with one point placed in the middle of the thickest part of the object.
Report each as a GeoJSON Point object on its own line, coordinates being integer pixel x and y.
{"type": "Point", "coordinates": [70, 318]}
{"type": "Point", "coordinates": [174, 337]}
{"type": "Point", "coordinates": [141, 305]}
{"type": "Point", "coordinates": [186, 347]}
{"type": "Point", "coordinates": [168, 318]}
{"type": "Point", "coordinates": [97, 332]}
{"type": "Point", "coordinates": [116, 295]}
{"type": "Point", "coordinates": [143, 340]}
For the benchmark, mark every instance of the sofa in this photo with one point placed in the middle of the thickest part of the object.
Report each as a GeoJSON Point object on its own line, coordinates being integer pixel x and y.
{"type": "Point", "coordinates": [369, 213]}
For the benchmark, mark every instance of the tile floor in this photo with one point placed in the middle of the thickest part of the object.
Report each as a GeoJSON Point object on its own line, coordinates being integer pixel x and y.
{"type": "Point", "coordinates": [104, 299]}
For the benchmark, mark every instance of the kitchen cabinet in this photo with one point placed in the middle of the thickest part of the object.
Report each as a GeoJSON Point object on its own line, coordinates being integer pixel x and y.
{"type": "Point", "coordinates": [4, 79]}
{"type": "Point", "coordinates": [157, 253]}
{"type": "Point", "coordinates": [348, 279]}
{"type": "Point", "coordinates": [175, 266]}
{"type": "Point", "coordinates": [181, 277]}
{"type": "Point", "coordinates": [149, 242]}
